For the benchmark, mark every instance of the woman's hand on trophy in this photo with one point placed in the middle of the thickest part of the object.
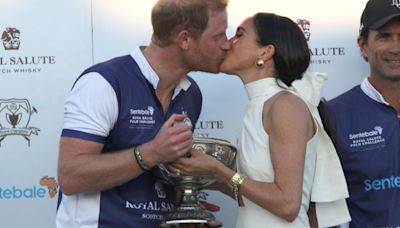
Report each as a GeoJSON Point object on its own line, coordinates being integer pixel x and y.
{"type": "Point", "coordinates": [209, 206]}
{"type": "Point", "coordinates": [197, 164]}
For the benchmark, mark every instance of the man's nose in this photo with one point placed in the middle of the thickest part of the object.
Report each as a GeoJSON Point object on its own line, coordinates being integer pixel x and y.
{"type": "Point", "coordinates": [227, 45]}
{"type": "Point", "coordinates": [395, 45]}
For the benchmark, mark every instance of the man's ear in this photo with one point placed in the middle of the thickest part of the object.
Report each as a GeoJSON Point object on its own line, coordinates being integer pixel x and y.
{"type": "Point", "coordinates": [361, 44]}
{"type": "Point", "coordinates": [183, 39]}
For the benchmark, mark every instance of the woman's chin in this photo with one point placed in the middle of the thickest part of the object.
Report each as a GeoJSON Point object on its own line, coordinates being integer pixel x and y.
{"type": "Point", "coordinates": [225, 70]}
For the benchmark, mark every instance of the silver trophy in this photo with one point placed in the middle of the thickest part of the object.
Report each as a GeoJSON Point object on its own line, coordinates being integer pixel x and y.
{"type": "Point", "coordinates": [189, 210]}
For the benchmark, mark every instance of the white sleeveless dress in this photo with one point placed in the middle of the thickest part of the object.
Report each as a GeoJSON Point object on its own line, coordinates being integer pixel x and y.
{"type": "Point", "coordinates": [253, 158]}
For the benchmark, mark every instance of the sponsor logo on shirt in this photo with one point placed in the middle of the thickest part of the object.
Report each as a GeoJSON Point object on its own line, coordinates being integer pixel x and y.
{"type": "Point", "coordinates": [382, 184]}
{"type": "Point", "coordinates": [142, 118]}
{"type": "Point", "coordinates": [367, 138]}
{"type": "Point", "coordinates": [152, 208]}
{"type": "Point", "coordinates": [147, 112]}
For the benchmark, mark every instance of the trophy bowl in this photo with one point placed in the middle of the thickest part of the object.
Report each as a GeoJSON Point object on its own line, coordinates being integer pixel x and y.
{"type": "Point", "coordinates": [189, 210]}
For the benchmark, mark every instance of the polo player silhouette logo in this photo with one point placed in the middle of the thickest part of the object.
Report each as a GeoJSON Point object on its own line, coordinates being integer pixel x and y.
{"type": "Point", "coordinates": [11, 38]}
{"type": "Point", "coordinates": [15, 115]}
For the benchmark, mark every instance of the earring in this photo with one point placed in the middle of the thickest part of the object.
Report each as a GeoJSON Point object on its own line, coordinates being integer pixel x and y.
{"type": "Point", "coordinates": [259, 63]}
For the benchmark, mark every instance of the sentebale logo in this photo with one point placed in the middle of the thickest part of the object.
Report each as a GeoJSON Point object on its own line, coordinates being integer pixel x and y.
{"type": "Point", "coordinates": [34, 192]}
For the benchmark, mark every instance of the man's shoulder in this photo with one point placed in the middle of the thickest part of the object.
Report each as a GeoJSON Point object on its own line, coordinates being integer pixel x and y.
{"type": "Point", "coordinates": [111, 63]}
{"type": "Point", "coordinates": [347, 98]}
{"type": "Point", "coordinates": [117, 68]}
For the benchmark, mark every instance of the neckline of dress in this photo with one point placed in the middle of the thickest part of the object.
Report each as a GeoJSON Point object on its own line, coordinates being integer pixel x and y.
{"type": "Point", "coordinates": [263, 87]}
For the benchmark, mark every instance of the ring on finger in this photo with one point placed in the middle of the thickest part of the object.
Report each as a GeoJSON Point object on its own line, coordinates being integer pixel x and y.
{"type": "Point", "coordinates": [178, 172]}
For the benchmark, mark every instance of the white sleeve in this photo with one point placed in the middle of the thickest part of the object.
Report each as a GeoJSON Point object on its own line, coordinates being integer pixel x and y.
{"type": "Point", "coordinates": [92, 106]}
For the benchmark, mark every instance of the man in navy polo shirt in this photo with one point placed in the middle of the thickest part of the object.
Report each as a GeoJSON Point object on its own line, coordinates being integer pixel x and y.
{"type": "Point", "coordinates": [366, 122]}
{"type": "Point", "coordinates": [119, 119]}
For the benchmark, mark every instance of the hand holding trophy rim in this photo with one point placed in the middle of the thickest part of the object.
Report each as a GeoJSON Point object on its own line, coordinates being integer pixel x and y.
{"type": "Point", "coordinates": [189, 210]}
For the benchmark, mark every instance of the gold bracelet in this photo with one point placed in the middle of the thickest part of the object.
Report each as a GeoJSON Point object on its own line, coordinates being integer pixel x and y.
{"type": "Point", "coordinates": [139, 159]}
{"type": "Point", "coordinates": [235, 182]}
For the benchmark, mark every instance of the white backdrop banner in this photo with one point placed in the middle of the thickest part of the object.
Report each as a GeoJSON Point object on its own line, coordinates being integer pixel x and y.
{"type": "Point", "coordinates": [46, 44]}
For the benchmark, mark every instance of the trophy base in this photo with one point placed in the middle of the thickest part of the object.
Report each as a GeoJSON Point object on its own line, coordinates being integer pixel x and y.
{"type": "Point", "coordinates": [190, 223]}
{"type": "Point", "coordinates": [189, 212]}
{"type": "Point", "coordinates": [190, 216]}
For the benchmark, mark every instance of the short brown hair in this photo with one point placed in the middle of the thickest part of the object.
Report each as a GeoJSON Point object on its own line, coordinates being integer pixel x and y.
{"type": "Point", "coordinates": [168, 17]}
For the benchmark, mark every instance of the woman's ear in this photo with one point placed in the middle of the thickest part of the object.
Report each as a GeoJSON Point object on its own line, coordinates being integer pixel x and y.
{"type": "Point", "coordinates": [267, 52]}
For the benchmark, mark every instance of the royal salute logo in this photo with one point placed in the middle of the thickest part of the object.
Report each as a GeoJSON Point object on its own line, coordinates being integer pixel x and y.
{"type": "Point", "coordinates": [305, 27]}
{"type": "Point", "coordinates": [15, 116]}
{"type": "Point", "coordinates": [11, 38]}
{"type": "Point", "coordinates": [12, 62]}
{"type": "Point", "coordinates": [207, 128]}
{"type": "Point", "coordinates": [319, 55]}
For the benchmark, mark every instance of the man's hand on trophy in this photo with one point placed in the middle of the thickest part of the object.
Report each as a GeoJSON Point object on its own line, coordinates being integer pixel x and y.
{"type": "Point", "coordinates": [172, 141]}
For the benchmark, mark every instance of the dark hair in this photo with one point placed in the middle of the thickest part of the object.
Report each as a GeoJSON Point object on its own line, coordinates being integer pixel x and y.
{"type": "Point", "coordinates": [168, 17]}
{"type": "Point", "coordinates": [364, 36]}
{"type": "Point", "coordinates": [292, 55]}
{"type": "Point", "coordinates": [327, 118]}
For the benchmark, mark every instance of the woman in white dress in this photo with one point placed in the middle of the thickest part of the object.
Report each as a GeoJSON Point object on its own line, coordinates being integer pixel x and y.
{"type": "Point", "coordinates": [285, 159]}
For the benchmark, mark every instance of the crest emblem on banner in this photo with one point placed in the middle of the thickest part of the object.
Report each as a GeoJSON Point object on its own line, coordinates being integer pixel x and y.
{"type": "Point", "coordinates": [11, 38]}
{"type": "Point", "coordinates": [305, 27]}
{"type": "Point", "coordinates": [15, 115]}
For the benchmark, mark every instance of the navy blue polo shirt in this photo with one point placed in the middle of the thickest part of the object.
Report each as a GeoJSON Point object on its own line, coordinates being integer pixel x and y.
{"type": "Point", "coordinates": [367, 140]}
{"type": "Point", "coordinates": [143, 201]}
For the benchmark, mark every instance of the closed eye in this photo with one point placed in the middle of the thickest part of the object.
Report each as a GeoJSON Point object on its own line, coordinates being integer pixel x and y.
{"type": "Point", "coordinates": [239, 32]}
